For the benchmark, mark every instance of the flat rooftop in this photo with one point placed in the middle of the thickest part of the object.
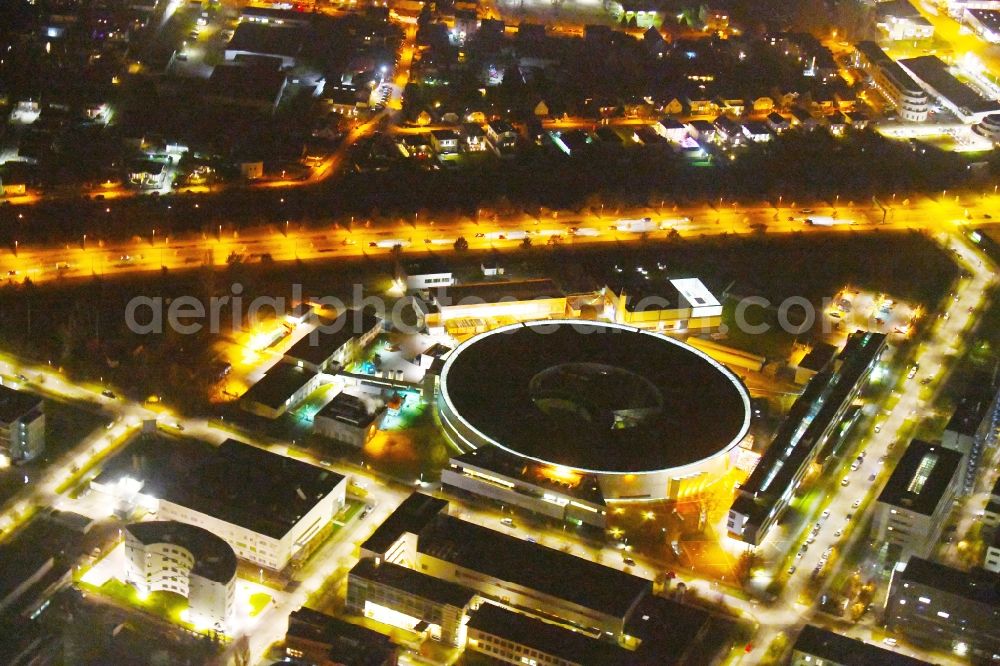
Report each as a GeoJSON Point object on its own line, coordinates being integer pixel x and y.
{"type": "Point", "coordinates": [548, 638]}
{"type": "Point", "coordinates": [235, 482]}
{"type": "Point", "coordinates": [934, 73]}
{"type": "Point", "coordinates": [819, 357]}
{"type": "Point", "coordinates": [214, 559]}
{"type": "Point", "coordinates": [414, 582]}
{"type": "Point", "coordinates": [533, 566]}
{"type": "Point", "coordinates": [974, 407]}
{"type": "Point", "coordinates": [595, 397]}
{"type": "Point", "coordinates": [267, 40]}
{"type": "Point", "coordinates": [670, 631]}
{"type": "Point", "coordinates": [28, 549]}
{"type": "Point", "coordinates": [256, 83]}
{"type": "Point", "coordinates": [494, 292]}
{"type": "Point", "coordinates": [350, 409]}
{"type": "Point", "coordinates": [350, 644]}
{"type": "Point", "coordinates": [16, 404]}
{"type": "Point", "coordinates": [671, 293]}
{"type": "Point", "coordinates": [977, 585]}
{"type": "Point", "coordinates": [839, 649]}
{"type": "Point", "coordinates": [278, 385]}
{"type": "Point", "coordinates": [921, 477]}
{"type": "Point", "coordinates": [319, 345]}
{"type": "Point", "coordinates": [412, 516]}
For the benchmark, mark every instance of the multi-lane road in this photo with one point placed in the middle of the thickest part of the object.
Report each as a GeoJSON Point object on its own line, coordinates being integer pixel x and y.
{"type": "Point", "coordinates": [294, 242]}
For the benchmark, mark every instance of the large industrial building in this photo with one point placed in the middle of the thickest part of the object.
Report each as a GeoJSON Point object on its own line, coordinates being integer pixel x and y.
{"type": "Point", "coordinates": [423, 569]}
{"type": "Point", "coordinates": [954, 610]}
{"type": "Point", "coordinates": [268, 507]}
{"type": "Point", "coordinates": [934, 76]}
{"type": "Point", "coordinates": [186, 560]}
{"type": "Point", "coordinates": [912, 508]}
{"type": "Point", "coordinates": [22, 426]}
{"type": "Point", "coordinates": [595, 399]}
{"type": "Point", "coordinates": [810, 425]}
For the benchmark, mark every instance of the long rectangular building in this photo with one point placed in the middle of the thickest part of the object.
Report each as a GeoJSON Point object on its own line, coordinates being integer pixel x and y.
{"type": "Point", "coordinates": [933, 75]}
{"type": "Point", "coordinates": [819, 647]}
{"type": "Point", "coordinates": [953, 610]}
{"type": "Point", "coordinates": [761, 501]}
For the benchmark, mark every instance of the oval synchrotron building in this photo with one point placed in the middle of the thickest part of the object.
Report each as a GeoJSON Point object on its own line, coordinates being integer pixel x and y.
{"type": "Point", "coordinates": [651, 417]}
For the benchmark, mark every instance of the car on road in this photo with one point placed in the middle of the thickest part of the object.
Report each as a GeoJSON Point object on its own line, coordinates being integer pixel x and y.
{"type": "Point", "coordinates": [825, 515]}
{"type": "Point", "coordinates": [628, 561]}
{"type": "Point", "coordinates": [838, 534]}
{"type": "Point", "coordinates": [845, 482]}
{"type": "Point", "coordinates": [913, 371]}
{"type": "Point", "coordinates": [509, 522]}
{"type": "Point", "coordinates": [878, 428]}
{"type": "Point", "coordinates": [108, 393]}
{"type": "Point", "coordinates": [890, 641]}
{"type": "Point", "coordinates": [791, 570]}
{"type": "Point", "coordinates": [856, 504]}
{"type": "Point", "coordinates": [872, 476]}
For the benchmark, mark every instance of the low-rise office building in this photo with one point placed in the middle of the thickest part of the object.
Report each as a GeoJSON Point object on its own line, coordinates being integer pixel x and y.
{"type": "Point", "coordinates": [186, 560]}
{"type": "Point", "coordinates": [953, 610]}
{"type": "Point", "coordinates": [320, 639]}
{"type": "Point", "coordinates": [912, 508]}
{"type": "Point", "coordinates": [900, 20]}
{"type": "Point", "coordinates": [409, 599]}
{"type": "Point", "coordinates": [280, 389]}
{"type": "Point", "coordinates": [349, 419]}
{"type": "Point", "coordinates": [22, 426]}
{"type": "Point", "coordinates": [674, 305]}
{"type": "Point", "coordinates": [515, 638]}
{"type": "Point", "coordinates": [991, 514]}
{"type": "Point", "coordinates": [819, 647]}
{"type": "Point", "coordinates": [983, 22]}
{"type": "Point", "coordinates": [333, 345]}
{"type": "Point", "coordinates": [395, 540]}
{"type": "Point", "coordinates": [493, 473]}
{"type": "Point", "coordinates": [428, 273]}
{"type": "Point", "coordinates": [895, 84]}
{"type": "Point", "coordinates": [972, 427]}
{"type": "Point", "coordinates": [269, 508]}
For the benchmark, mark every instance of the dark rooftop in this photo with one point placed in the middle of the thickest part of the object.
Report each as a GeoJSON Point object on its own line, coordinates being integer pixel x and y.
{"type": "Point", "coordinates": [28, 549]}
{"type": "Point", "coordinates": [921, 476]}
{"type": "Point", "coordinates": [350, 644]}
{"type": "Point", "coordinates": [839, 649]}
{"type": "Point", "coordinates": [413, 582]}
{"type": "Point", "coordinates": [492, 292]}
{"type": "Point", "coordinates": [319, 345]}
{"type": "Point", "coordinates": [977, 585]}
{"type": "Point", "coordinates": [819, 357]}
{"type": "Point", "coordinates": [235, 482]}
{"type": "Point", "coordinates": [350, 409]}
{"type": "Point", "coordinates": [974, 407]}
{"type": "Point", "coordinates": [413, 515]}
{"type": "Point", "coordinates": [258, 84]}
{"type": "Point", "coordinates": [548, 638]}
{"type": "Point", "coordinates": [278, 384]}
{"type": "Point", "coordinates": [267, 40]}
{"type": "Point", "coordinates": [549, 571]}
{"type": "Point", "coordinates": [214, 559]}
{"type": "Point", "coordinates": [16, 404]}
{"type": "Point", "coordinates": [595, 398]}
{"type": "Point", "coordinates": [669, 630]}
{"type": "Point", "coordinates": [934, 72]}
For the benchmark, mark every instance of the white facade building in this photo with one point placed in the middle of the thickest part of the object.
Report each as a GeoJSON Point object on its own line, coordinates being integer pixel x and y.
{"type": "Point", "coordinates": [187, 560]}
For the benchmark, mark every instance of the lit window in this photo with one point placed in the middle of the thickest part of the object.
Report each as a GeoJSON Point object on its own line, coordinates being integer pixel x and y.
{"type": "Point", "coordinates": [942, 614]}
{"type": "Point", "coordinates": [924, 600]}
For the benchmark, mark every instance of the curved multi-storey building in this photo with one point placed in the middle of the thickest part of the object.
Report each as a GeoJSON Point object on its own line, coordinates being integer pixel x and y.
{"type": "Point", "coordinates": [190, 561]}
{"type": "Point", "coordinates": [648, 416]}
